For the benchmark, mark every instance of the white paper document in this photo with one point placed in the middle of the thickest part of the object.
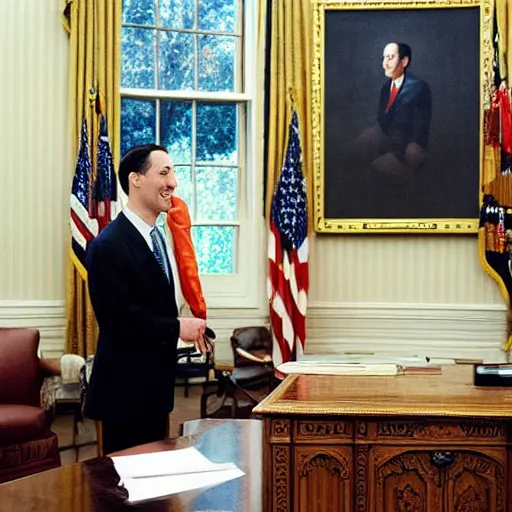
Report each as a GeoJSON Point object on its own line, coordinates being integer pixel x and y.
{"type": "Point", "coordinates": [336, 368]}
{"type": "Point", "coordinates": [153, 475]}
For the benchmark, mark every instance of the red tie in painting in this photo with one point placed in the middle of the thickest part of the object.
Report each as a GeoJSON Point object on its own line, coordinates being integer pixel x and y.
{"type": "Point", "coordinates": [392, 96]}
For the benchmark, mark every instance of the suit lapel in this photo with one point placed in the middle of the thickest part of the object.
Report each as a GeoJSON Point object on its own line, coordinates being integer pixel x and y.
{"type": "Point", "coordinates": [402, 93]}
{"type": "Point", "coordinates": [142, 254]}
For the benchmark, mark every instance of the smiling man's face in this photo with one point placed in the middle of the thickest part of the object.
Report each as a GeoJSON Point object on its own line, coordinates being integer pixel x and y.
{"type": "Point", "coordinates": [158, 183]}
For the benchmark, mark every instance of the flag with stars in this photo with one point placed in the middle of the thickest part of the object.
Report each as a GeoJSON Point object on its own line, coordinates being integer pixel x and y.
{"type": "Point", "coordinates": [84, 227]}
{"type": "Point", "coordinates": [288, 277]}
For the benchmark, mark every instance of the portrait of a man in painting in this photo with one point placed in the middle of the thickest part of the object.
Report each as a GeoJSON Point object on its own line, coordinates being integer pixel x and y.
{"type": "Point", "coordinates": [400, 113]}
{"type": "Point", "coordinates": [397, 143]}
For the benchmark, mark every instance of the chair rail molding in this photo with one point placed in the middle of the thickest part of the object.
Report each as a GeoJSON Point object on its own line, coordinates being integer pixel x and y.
{"type": "Point", "coordinates": [49, 316]}
{"type": "Point", "coordinates": [430, 329]}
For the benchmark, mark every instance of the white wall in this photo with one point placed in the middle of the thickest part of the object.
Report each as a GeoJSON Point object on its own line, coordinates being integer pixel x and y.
{"type": "Point", "coordinates": [407, 294]}
{"type": "Point", "coordinates": [36, 167]}
{"type": "Point", "coordinates": [36, 158]}
{"type": "Point", "coordinates": [390, 293]}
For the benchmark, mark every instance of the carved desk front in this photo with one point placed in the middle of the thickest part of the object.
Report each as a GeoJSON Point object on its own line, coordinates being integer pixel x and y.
{"type": "Point", "coordinates": [417, 443]}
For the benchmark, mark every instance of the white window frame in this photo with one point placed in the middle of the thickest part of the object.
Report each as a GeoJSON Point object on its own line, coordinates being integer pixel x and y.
{"type": "Point", "coordinates": [244, 287]}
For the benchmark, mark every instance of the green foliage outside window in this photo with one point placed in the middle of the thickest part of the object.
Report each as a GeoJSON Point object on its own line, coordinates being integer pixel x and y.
{"type": "Point", "coordinates": [189, 45]}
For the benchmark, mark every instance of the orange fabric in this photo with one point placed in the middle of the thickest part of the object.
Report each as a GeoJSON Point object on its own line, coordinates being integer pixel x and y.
{"type": "Point", "coordinates": [178, 220]}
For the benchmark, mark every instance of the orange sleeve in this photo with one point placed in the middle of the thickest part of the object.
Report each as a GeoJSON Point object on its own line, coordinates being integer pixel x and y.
{"type": "Point", "coordinates": [178, 220]}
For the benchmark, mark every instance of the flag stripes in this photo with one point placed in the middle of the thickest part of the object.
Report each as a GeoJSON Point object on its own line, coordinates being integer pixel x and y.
{"type": "Point", "coordinates": [288, 251]}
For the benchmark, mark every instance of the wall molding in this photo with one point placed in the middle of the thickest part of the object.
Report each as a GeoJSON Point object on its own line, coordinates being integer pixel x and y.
{"type": "Point", "coordinates": [49, 316]}
{"type": "Point", "coordinates": [434, 330]}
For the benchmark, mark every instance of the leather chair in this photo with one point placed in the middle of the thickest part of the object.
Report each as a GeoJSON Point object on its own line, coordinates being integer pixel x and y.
{"type": "Point", "coordinates": [252, 356]}
{"type": "Point", "coordinates": [27, 444]}
{"type": "Point", "coordinates": [235, 393]}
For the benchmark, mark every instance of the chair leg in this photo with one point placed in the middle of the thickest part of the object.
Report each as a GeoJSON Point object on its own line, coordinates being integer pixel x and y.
{"type": "Point", "coordinates": [99, 437]}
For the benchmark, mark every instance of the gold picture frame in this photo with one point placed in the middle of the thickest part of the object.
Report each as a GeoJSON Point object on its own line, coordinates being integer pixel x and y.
{"type": "Point", "coordinates": [332, 20]}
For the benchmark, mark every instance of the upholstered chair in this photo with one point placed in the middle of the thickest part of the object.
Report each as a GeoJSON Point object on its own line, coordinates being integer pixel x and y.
{"type": "Point", "coordinates": [252, 356]}
{"type": "Point", "coordinates": [235, 393]}
{"type": "Point", "coordinates": [27, 444]}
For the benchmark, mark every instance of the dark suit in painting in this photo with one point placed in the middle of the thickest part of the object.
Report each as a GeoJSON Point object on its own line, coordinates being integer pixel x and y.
{"type": "Point", "coordinates": [132, 383]}
{"type": "Point", "coordinates": [408, 118]}
{"type": "Point", "coordinates": [398, 143]}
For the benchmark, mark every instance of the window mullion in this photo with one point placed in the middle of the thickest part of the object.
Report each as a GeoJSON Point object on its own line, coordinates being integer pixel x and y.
{"type": "Point", "coordinates": [157, 121]}
{"type": "Point", "coordinates": [193, 162]}
{"type": "Point", "coordinates": [157, 45]}
{"type": "Point", "coordinates": [221, 97]}
{"type": "Point", "coordinates": [196, 46]}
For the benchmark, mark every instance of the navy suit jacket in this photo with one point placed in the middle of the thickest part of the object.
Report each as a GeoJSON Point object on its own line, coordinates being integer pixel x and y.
{"type": "Point", "coordinates": [408, 119]}
{"type": "Point", "coordinates": [135, 306]}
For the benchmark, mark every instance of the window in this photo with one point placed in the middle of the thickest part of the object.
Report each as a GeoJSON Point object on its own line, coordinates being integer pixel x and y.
{"type": "Point", "coordinates": [182, 85]}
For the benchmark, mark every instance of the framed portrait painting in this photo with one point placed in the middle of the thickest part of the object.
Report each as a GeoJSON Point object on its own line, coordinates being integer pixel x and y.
{"type": "Point", "coordinates": [397, 115]}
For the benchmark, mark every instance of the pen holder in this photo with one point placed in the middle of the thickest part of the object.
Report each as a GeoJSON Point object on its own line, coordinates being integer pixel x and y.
{"type": "Point", "coordinates": [492, 375]}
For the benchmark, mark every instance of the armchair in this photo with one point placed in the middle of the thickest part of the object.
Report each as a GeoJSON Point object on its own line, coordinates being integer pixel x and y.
{"type": "Point", "coordinates": [27, 445]}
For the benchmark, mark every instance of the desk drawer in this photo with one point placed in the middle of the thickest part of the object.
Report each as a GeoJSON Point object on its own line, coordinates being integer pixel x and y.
{"type": "Point", "coordinates": [437, 430]}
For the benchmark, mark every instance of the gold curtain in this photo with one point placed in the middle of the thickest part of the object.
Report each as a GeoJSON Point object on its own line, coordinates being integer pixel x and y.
{"type": "Point", "coordinates": [290, 71]}
{"type": "Point", "coordinates": [94, 28]}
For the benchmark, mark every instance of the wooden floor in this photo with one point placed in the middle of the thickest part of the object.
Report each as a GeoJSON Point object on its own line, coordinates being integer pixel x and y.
{"type": "Point", "coordinates": [184, 409]}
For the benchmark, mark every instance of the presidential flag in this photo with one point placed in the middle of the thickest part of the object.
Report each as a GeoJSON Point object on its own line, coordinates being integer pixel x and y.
{"type": "Point", "coordinates": [84, 227]}
{"type": "Point", "coordinates": [288, 278]}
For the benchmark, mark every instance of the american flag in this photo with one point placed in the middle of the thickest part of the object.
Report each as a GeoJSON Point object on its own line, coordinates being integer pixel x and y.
{"type": "Point", "coordinates": [106, 185]}
{"type": "Point", "coordinates": [288, 279]}
{"type": "Point", "coordinates": [84, 227]}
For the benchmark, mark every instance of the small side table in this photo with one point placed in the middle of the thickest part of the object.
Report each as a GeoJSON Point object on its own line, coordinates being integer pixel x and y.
{"type": "Point", "coordinates": [69, 395]}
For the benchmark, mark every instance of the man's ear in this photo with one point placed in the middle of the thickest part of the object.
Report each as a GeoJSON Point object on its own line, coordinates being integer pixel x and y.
{"type": "Point", "coordinates": [134, 179]}
{"type": "Point", "coordinates": [405, 62]}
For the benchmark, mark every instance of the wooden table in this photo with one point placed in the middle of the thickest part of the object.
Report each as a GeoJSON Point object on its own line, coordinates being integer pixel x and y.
{"type": "Point", "coordinates": [422, 443]}
{"type": "Point", "coordinates": [92, 485]}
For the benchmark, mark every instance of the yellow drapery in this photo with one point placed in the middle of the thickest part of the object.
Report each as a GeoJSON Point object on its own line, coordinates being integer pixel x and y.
{"type": "Point", "coordinates": [94, 28]}
{"type": "Point", "coordinates": [291, 48]}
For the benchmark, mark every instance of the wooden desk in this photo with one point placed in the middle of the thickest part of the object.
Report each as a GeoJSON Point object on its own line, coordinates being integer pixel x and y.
{"type": "Point", "coordinates": [92, 485]}
{"type": "Point", "coordinates": [387, 444]}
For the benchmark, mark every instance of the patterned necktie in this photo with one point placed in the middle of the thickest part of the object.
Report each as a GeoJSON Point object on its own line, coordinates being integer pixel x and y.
{"type": "Point", "coordinates": [392, 96]}
{"type": "Point", "coordinates": [160, 251]}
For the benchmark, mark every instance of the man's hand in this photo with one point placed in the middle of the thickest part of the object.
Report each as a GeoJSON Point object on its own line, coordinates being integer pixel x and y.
{"type": "Point", "coordinates": [192, 331]}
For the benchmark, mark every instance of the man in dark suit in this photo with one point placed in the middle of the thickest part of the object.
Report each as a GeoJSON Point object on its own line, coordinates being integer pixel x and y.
{"type": "Point", "coordinates": [398, 143]}
{"type": "Point", "coordinates": [133, 293]}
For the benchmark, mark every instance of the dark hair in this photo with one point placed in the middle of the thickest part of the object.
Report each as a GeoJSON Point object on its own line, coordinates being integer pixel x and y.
{"type": "Point", "coordinates": [404, 50]}
{"type": "Point", "coordinates": [136, 160]}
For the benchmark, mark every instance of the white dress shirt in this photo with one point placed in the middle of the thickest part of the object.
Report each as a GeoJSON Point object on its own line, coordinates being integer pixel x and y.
{"type": "Point", "coordinates": [397, 82]}
{"type": "Point", "coordinates": [145, 229]}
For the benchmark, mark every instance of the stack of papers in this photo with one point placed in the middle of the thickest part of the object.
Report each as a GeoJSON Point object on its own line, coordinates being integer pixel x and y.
{"type": "Point", "coordinates": [153, 475]}
{"type": "Point", "coordinates": [337, 368]}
